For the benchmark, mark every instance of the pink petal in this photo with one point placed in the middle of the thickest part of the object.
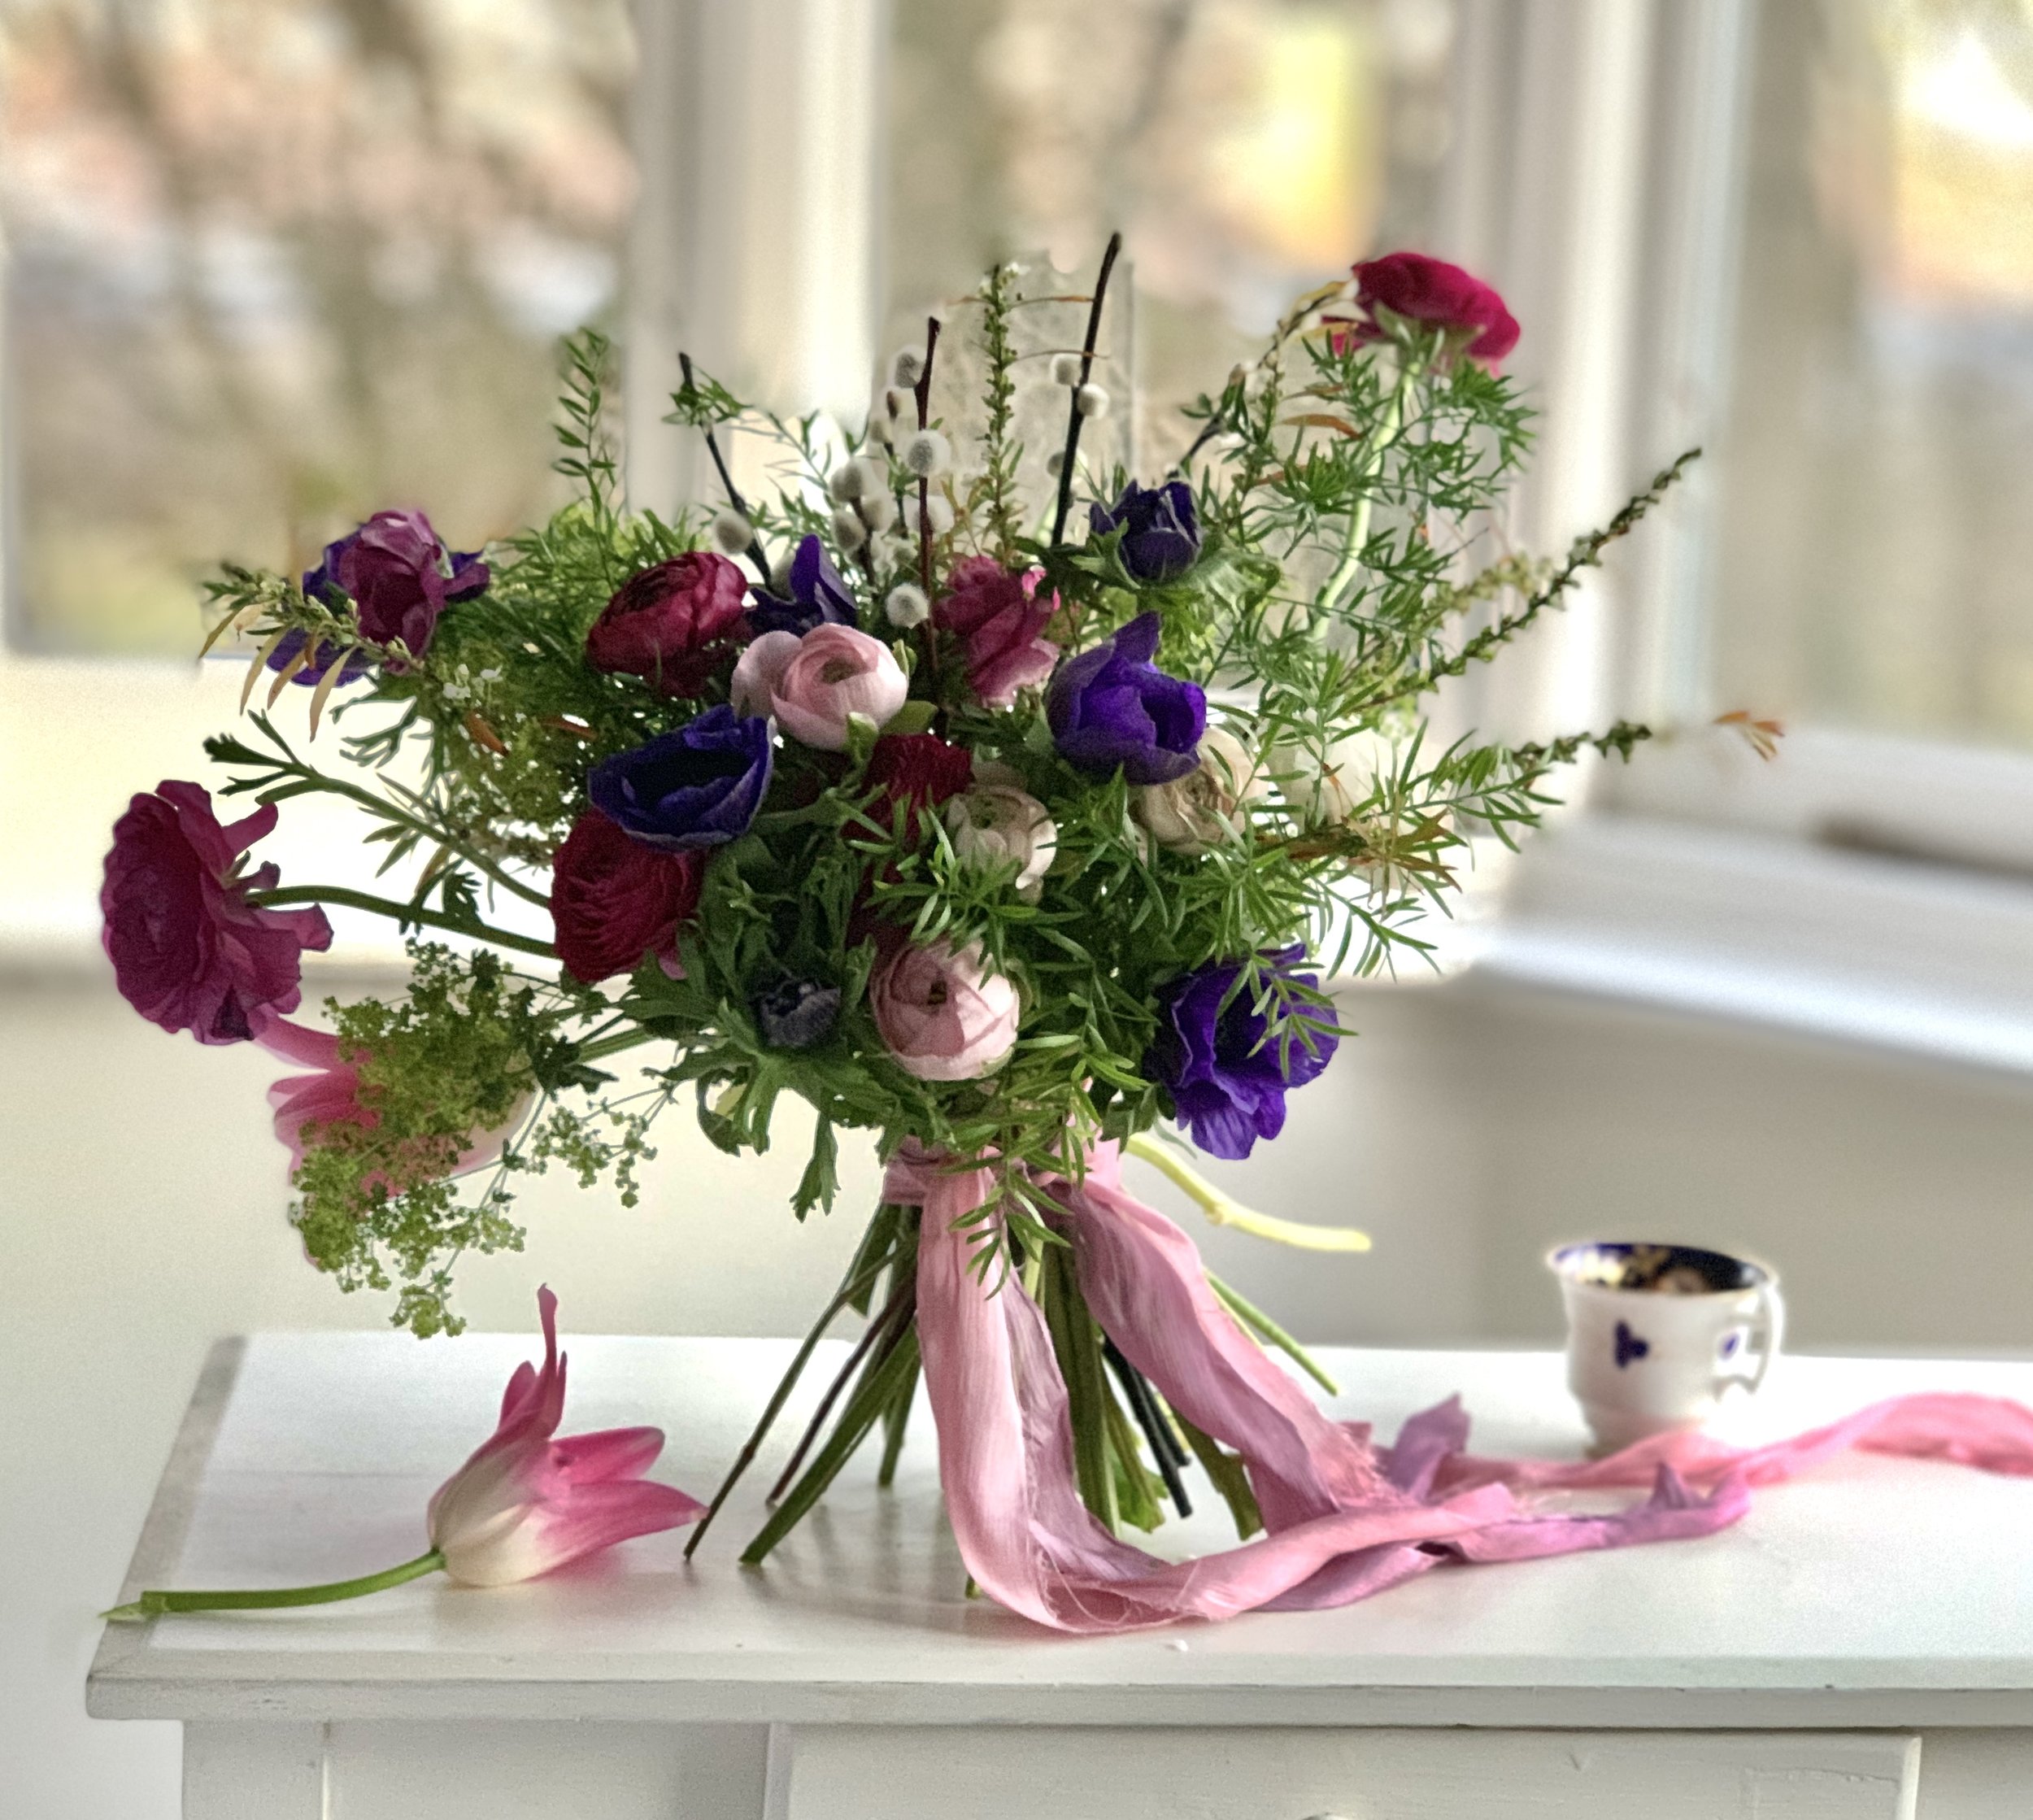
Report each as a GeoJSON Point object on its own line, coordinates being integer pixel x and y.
{"type": "Point", "coordinates": [590, 1517]}
{"type": "Point", "coordinates": [611, 1453]}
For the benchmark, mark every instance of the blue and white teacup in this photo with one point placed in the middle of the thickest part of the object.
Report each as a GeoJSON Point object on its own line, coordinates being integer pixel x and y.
{"type": "Point", "coordinates": [1657, 1334]}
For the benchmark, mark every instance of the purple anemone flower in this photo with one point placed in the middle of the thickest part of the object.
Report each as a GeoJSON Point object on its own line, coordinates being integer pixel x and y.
{"type": "Point", "coordinates": [817, 595]}
{"type": "Point", "coordinates": [797, 1013]}
{"type": "Point", "coordinates": [699, 786]}
{"type": "Point", "coordinates": [1228, 1067]}
{"type": "Point", "coordinates": [1160, 531]}
{"type": "Point", "coordinates": [1112, 706]}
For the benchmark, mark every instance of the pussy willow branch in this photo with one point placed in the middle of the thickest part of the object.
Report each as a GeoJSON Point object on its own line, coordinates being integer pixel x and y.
{"type": "Point", "coordinates": [922, 393]}
{"type": "Point", "coordinates": [756, 554]}
{"type": "Point", "coordinates": [1086, 367]}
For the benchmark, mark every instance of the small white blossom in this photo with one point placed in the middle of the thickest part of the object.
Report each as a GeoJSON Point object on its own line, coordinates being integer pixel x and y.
{"type": "Point", "coordinates": [926, 454]}
{"type": "Point", "coordinates": [1066, 369]}
{"type": "Point", "coordinates": [895, 553]}
{"type": "Point", "coordinates": [1206, 807]}
{"type": "Point", "coordinates": [1092, 401]}
{"type": "Point", "coordinates": [998, 825]}
{"type": "Point", "coordinates": [899, 404]}
{"type": "Point", "coordinates": [848, 531]}
{"type": "Point", "coordinates": [906, 367]}
{"type": "Point", "coordinates": [846, 482]}
{"type": "Point", "coordinates": [905, 606]}
{"type": "Point", "coordinates": [732, 532]}
{"type": "Point", "coordinates": [939, 509]}
{"type": "Point", "coordinates": [877, 509]}
{"type": "Point", "coordinates": [881, 428]}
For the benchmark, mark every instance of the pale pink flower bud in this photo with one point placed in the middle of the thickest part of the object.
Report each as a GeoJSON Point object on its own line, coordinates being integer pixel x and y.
{"type": "Point", "coordinates": [835, 672]}
{"type": "Point", "coordinates": [1200, 811]}
{"type": "Point", "coordinates": [757, 669]}
{"type": "Point", "coordinates": [525, 1504]}
{"type": "Point", "coordinates": [996, 824]}
{"type": "Point", "coordinates": [942, 1018]}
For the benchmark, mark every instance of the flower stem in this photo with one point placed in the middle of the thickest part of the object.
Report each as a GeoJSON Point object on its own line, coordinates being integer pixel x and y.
{"type": "Point", "coordinates": [1086, 369]}
{"type": "Point", "coordinates": [1222, 1211]}
{"type": "Point", "coordinates": [403, 913]}
{"type": "Point", "coordinates": [153, 1603]}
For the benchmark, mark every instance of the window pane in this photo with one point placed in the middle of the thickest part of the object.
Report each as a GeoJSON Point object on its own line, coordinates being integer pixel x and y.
{"type": "Point", "coordinates": [274, 264]}
{"type": "Point", "coordinates": [1876, 535]}
{"type": "Point", "coordinates": [1249, 148]}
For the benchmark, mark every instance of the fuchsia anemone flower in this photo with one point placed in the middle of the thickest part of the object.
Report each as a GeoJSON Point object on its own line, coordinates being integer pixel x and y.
{"type": "Point", "coordinates": [525, 1504]}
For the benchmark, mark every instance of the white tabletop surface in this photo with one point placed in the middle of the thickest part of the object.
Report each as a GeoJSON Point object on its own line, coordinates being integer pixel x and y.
{"type": "Point", "coordinates": [1877, 1592]}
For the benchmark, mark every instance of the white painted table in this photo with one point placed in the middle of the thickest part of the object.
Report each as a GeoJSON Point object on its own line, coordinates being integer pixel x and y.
{"type": "Point", "coordinates": [1865, 1639]}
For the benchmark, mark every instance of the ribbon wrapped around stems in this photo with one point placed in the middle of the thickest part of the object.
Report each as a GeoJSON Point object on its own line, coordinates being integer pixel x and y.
{"type": "Point", "coordinates": [1343, 1518]}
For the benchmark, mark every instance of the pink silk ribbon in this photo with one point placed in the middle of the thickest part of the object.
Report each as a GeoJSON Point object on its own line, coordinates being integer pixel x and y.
{"type": "Point", "coordinates": [1343, 1518]}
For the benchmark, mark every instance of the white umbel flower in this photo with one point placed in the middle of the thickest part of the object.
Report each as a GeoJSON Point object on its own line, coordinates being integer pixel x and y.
{"type": "Point", "coordinates": [1092, 401]}
{"type": "Point", "coordinates": [1066, 369]}
{"type": "Point", "coordinates": [732, 532]}
{"type": "Point", "coordinates": [926, 454]}
{"type": "Point", "coordinates": [905, 606]}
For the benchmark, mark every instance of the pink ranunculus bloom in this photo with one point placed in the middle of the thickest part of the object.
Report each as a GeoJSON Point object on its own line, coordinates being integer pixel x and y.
{"type": "Point", "coordinates": [525, 1504]}
{"type": "Point", "coordinates": [189, 950]}
{"type": "Point", "coordinates": [330, 1096]}
{"type": "Point", "coordinates": [998, 617]}
{"type": "Point", "coordinates": [1430, 291]}
{"type": "Point", "coordinates": [758, 669]}
{"type": "Point", "coordinates": [942, 1017]}
{"type": "Point", "coordinates": [835, 672]}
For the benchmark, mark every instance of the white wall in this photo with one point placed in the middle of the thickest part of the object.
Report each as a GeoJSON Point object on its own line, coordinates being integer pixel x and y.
{"type": "Point", "coordinates": [141, 1215]}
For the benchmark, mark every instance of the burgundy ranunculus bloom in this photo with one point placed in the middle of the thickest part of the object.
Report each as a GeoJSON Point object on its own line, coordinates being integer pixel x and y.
{"type": "Point", "coordinates": [675, 624]}
{"type": "Point", "coordinates": [189, 951]}
{"type": "Point", "coordinates": [999, 617]}
{"type": "Point", "coordinates": [1432, 291]}
{"type": "Point", "coordinates": [614, 900]}
{"type": "Point", "coordinates": [400, 577]}
{"type": "Point", "coordinates": [918, 769]}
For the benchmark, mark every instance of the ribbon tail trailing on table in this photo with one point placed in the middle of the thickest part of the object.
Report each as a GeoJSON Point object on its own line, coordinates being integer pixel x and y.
{"type": "Point", "coordinates": [1343, 1518]}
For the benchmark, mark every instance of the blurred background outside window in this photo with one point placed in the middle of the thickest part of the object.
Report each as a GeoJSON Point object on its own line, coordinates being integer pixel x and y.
{"type": "Point", "coordinates": [1873, 559]}
{"type": "Point", "coordinates": [272, 264]}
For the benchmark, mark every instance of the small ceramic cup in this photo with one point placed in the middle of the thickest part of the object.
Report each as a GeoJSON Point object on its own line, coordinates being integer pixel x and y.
{"type": "Point", "coordinates": [1656, 1333]}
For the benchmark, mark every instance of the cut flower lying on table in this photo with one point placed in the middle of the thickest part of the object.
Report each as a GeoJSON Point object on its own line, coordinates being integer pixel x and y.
{"type": "Point", "coordinates": [523, 1505]}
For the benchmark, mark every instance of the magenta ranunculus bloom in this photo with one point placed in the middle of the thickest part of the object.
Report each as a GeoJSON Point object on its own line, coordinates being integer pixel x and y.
{"type": "Point", "coordinates": [189, 951]}
{"type": "Point", "coordinates": [1430, 291]}
{"type": "Point", "coordinates": [998, 616]}
{"type": "Point", "coordinates": [676, 623]}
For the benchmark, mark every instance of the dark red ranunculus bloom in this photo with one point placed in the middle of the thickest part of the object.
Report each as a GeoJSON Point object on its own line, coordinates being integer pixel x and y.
{"type": "Point", "coordinates": [1000, 618]}
{"type": "Point", "coordinates": [675, 624]}
{"type": "Point", "coordinates": [1430, 291]}
{"type": "Point", "coordinates": [614, 900]}
{"type": "Point", "coordinates": [919, 770]}
{"type": "Point", "coordinates": [189, 951]}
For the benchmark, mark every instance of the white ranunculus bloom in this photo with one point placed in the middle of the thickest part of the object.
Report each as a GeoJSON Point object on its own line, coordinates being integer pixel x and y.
{"type": "Point", "coordinates": [1207, 806]}
{"type": "Point", "coordinates": [997, 824]}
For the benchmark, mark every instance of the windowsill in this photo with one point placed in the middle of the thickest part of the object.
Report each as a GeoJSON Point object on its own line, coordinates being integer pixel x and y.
{"type": "Point", "coordinates": [1928, 960]}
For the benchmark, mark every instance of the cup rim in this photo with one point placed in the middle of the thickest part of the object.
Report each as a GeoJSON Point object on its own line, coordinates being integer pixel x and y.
{"type": "Point", "coordinates": [1756, 1273]}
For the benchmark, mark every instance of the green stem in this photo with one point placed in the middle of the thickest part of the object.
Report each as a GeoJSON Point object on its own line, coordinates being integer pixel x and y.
{"type": "Point", "coordinates": [153, 1604]}
{"type": "Point", "coordinates": [402, 912]}
{"type": "Point", "coordinates": [615, 1044]}
{"type": "Point", "coordinates": [1328, 598]}
{"type": "Point", "coordinates": [1260, 1324]}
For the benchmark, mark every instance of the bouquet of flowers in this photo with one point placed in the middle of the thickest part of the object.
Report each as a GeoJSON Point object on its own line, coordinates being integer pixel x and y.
{"type": "Point", "coordinates": [1000, 806]}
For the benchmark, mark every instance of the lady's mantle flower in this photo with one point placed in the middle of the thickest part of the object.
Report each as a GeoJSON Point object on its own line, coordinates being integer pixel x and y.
{"type": "Point", "coordinates": [1205, 809]}
{"type": "Point", "coordinates": [1227, 1067]}
{"type": "Point", "coordinates": [999, 617]}
{"type": "Point", "coordinates": [1112, 706]}
{"type": "Point", "coordinates": [812, 594]}
{"type": "Point", "coordinates": [700, 785]}
{"type": "Point", "coordinates": [189, 950]}
{"type": "Point", "coordinates": [1160, 531]}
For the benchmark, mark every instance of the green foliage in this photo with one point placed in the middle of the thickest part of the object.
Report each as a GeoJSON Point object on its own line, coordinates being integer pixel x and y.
{"type": "Point", "coordinates": [1347, 492]}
